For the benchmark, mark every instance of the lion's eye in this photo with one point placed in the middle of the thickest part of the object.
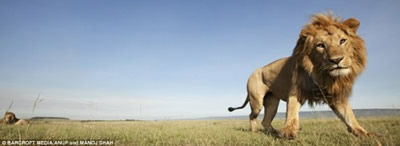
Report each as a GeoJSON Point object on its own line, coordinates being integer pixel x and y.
{"type": "Point", "coordinates": [342, 41]}
{"type": "Point", "coordinates": [321, 45]}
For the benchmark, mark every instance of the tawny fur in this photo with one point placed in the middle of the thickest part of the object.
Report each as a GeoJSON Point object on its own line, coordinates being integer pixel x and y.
{"type": "Point", "coordinates": [10, 119]}
{"type": "Point", "coordinates": [324, 65]}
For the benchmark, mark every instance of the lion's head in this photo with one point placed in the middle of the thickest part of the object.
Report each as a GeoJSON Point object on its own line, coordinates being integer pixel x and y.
{"type": "Point", "coordinates": [330, 47]}
{"type": "Point", "coordinates": [331, 53]}
{"type": "Point", "coordinates": [9, 118]}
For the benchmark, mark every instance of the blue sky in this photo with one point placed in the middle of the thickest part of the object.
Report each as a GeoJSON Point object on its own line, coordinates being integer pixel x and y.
{"type": "Point", "coordinates": [153, 59]}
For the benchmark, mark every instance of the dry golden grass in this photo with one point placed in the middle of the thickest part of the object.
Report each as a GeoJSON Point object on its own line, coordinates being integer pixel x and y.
{"type": "Point", "coordinates": [206, 132]}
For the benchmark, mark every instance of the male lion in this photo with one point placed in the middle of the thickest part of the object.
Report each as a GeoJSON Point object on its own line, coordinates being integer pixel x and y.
{"type": "Point", "coordinates": [326, 61]}
{"type": "Point", "coordinates": [10, 119]}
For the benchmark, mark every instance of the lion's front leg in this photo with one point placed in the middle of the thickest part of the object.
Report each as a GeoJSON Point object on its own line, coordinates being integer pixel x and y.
{"type": "Point", "coordinates": [345, 113]}
{"type": "Point", "coordinates": [292, 118]}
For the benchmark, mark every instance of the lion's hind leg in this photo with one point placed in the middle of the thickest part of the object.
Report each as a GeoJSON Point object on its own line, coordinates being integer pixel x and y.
{"type": "Point", "coordinates": [271, 104]}
{"type": "Point", "coordinates": [255, 111]}
{"type": "Point", "coordinates": [256, 96]}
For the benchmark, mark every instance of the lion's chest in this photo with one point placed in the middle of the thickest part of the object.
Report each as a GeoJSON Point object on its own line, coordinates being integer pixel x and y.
{"type": "Point", "coordinates": [314, 92]}
{"type": "Point", "coordinates": [320, 93]}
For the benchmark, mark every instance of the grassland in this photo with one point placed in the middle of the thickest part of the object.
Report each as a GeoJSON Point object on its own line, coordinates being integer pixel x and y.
{"type": "Point", "coordinates": [206, 132]}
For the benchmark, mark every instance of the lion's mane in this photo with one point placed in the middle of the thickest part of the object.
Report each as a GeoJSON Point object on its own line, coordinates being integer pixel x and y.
{"type": "Point", "coordinates": [338, 87]}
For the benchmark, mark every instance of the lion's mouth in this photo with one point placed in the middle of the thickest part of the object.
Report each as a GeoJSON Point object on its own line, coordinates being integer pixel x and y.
{"type": "Point", "coordinates": [339, 71]}
{"type": "Point", "coordinates": [338, 68]}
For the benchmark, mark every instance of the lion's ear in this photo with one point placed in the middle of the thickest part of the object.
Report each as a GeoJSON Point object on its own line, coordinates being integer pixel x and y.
{"type": "Point", "coordinates": [352, 23]}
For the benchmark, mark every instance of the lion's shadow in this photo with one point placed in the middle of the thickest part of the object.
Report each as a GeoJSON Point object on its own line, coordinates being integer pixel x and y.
{"type": "Point", "coordinates": [273, 134]}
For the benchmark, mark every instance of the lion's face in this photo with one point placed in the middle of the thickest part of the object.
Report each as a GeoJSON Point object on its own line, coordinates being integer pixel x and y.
{"type": "Point", "coordinates": [330, 46]}
{"type": "Point", "coordinates": [332, 50]}
{"type": "Point", "coordinates": [9, 117]}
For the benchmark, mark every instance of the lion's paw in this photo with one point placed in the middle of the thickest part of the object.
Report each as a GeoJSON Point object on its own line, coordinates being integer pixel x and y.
{"type": "Point", "coordinates": [288, 132]}
{"type": "Point", "coordinates": [360, 132]}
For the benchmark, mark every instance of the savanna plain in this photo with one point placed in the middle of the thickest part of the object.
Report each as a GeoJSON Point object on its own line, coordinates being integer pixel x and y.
{"type": "Point", "coordinates": [326, 131]}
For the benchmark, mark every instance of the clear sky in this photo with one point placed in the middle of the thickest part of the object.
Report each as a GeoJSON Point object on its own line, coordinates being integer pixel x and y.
{"type": "Point", "coordinates": [170, 59]}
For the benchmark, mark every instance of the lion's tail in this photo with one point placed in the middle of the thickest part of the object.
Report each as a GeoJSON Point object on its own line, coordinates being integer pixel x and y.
{"type": "Point", "coordinates": [231, 109]}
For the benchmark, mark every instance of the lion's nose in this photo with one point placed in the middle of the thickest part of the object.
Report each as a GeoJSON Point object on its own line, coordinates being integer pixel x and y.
{"type": "Point", "coordinates": [336, 60]}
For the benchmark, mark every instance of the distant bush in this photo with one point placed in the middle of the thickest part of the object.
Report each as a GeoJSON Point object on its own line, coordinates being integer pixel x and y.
{"type": "Point", "coordinates": [49, 118]}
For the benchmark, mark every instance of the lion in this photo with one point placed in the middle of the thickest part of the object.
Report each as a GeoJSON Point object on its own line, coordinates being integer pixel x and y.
{"type": "Point", "coordinates": [10, 119]}
{"type": "Point", "coordinates": [322, 69]}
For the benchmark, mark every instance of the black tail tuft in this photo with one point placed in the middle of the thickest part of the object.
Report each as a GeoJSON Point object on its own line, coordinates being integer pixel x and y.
{"type": "Point", "coordinates": [230, 109]}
